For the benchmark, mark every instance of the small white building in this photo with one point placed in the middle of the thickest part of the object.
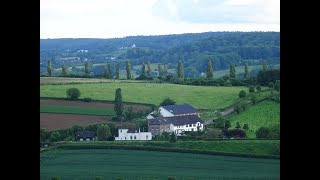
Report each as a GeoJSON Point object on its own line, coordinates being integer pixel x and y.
{"type": "Point", "coordinates": [126, 134]}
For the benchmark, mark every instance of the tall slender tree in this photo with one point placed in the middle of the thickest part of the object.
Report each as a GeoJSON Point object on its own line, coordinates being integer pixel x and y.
{"type": "Point", "coordinates": [160, 70]}
{"type": "Point", "coordinates": [64, 70]}
{"type": "Point", "coordinates": [49, 68]}
{"type": "Point", "coordinates": [165, 70]}
{"type": "Point", "coordinates": [87, 68]}
{"type": "Point", "coordinates": [117, 71]}
{"type": "Point", "coordinates": [180, 71]}
{"type": "Point", "coordinates": [128, 69]}
{"type": "Point", "coordinates": [143, 69]}
{"type": "Point", "coordinates": [110, 75]}
{"type": "Point", "coordinates": [232, 71]}
{"type": "Point", "coordinates": [118, 104]}
{"type": "Point", "coordinates": [264, 67]}
{"type": "Point", "coordinates": [148, 69]}
{"type": "Point", "coordinates": [246, 71]}
{"type": "Point", "coordinates": [209, 70]}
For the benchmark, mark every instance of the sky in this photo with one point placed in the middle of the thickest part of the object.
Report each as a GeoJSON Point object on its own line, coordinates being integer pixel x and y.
{"type": "Point", "coordinates": [120, 18]}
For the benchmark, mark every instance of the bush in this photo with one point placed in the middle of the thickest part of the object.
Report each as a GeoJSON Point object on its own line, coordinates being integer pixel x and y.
{"type": "Point", "coordinates": [271, 85]}
{"type": "Point", "coordinates": [173, 137]}
{"type": "Point", "coordinates": [258, 88]}
{"type": "Point", "coordinates": [235, 133]}
{"type": "Point", "coordinates": [242, 94]}
{"type": "Point", "coordinates": [238, 126]}
{"type": "Point", "coordinates": [245, 127]}
{"type": "Point", "coordinates": [251, 89]}
{"type": "Point", "coordinates": [167, 101]}
{"type": "Point", "coordinates": [73, 93]}
{"type": "Point", "coordinates": [274, 132]}
{"type": "Point", "coordinates": [55, 136]}
{"type": "Point", "coordinates": [55, 178]}
{"type": "Point", "coordinates": [87, 99]}
{"type": "Point", "coordinates": [98, 178]}
{"type": "Point", "coordinates": [263, 132]}
{"type": "Point", "coordinates": [171, 178]}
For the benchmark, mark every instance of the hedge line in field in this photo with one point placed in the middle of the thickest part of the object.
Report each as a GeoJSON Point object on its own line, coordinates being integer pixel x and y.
{"type": "Point", "coordinates": [162, 149]}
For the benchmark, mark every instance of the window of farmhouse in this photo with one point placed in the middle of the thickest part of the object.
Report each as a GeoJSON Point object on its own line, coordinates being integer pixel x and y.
{"type": "Point", "coordinates": [130, 137]}
{"type": "Point", "coordinates": [135, 137]}
{"type": "Point", "coordinates": [121, 131]}
{"type": "Point", "coordinates": [146, 136]}
{"type": "Point", "coordinates": [194, 125]}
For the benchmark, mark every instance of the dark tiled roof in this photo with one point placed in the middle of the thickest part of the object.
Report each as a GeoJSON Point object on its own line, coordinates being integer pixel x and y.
{"type": "Point", "coordinates": [175, 120]}
{"type": "Point", "coordinates": [180, 109]}
{"type": "Point", "coordinates": [87, 134]}
{"type": "Point", "coordinates": [123, 127]}
{"type": "Point", "coordinates": [134, 130]}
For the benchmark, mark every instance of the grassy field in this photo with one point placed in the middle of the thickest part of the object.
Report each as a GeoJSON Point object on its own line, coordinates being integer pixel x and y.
{"type": "Point", "coordinates": [198, 96]}
{"type": "Point", "coordinates": [264, 113]}
{"type": "Point", "coordinates": [130, 164]}
{"type": "Point", "coordinates": [76, 110]}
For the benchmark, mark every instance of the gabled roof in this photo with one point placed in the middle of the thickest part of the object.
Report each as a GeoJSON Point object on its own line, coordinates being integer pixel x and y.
{"type": "Point", "coordinates": [86, 134]}
{"type": "Point", "coordinates": [133, 130]}
{"type": "Point", "coordinates": [180, 109]}
{"type": "Point", "coordinates": [175, 120]}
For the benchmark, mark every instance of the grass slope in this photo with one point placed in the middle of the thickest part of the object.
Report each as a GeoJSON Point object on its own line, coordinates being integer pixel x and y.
{"type": "Point", "coordinates": [129, 164]}
{"type": "Point", "coordinates": [264, 113]}
{"type": "Point", "coordinates": [205, 97]}
{"type": "Point", "coordinates": [76, 110]}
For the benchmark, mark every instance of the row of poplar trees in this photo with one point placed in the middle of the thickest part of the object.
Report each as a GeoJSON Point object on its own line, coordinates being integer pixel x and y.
{"type": "Point", "coordinates": [162, 69]}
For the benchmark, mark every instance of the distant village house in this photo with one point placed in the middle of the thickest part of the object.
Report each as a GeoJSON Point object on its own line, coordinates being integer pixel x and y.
{"type": "Point", "coordinates": [128, 134]}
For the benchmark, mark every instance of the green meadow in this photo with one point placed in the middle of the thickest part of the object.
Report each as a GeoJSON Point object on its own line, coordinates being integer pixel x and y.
{"type": "Point", "coordinates": [204, 97]}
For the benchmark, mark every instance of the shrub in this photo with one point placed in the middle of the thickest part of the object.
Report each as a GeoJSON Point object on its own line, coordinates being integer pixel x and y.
{"type": "Point", "coordinates": [274, 132]}
{"type": "Point", "coordinates": [227, 124]}
{"type": "Point", "coordinates": [167, 101]}
{"type": "Point", "coordinates": [245, 127]}
{"type": "Point", "coordinates": [55, 136]}
{"type": "Point", "coordinates": [73, 93]}
{"type": "Point", "coordinates": [258, 88]}
{"type": "Point", "coordinates": [263, 132]}
{"type": "Point", "coordinates": [242, 94]}
{"type": "Point", "coordinates": [87, 99]}
{"type": "Point", "coordinates": [238, 126]}
{"type": "Point", "coordinates": [173, 137]}
{"type": "Point", "coordinates": [271, 85]}
{"type": "Point", "coordinates": [251, 89]}
{"type": "Point", "coordinates": [55, 178]}
{"type": "Point", "coordinates": [235, 133]}
{"type": "Point", "coordinates": [98, 178]}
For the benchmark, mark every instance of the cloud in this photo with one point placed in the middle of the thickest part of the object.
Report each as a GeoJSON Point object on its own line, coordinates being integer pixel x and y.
{"type": "Point", "coordinates": [119, 18]}
{"type": "Point", "coordinates": [219, 11]}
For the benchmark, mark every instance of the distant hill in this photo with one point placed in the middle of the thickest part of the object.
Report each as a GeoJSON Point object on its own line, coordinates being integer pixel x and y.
{"type": "Point", "coordinates": [194, 49]}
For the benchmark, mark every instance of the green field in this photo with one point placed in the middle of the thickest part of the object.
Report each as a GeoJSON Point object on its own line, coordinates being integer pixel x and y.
{"type": "Point", "coordinates": [206, 97]}
{"type": "Point", "coordinates": [265, 113]}
{"type": "Point", "coordinates": [76, 110]}
{"type": "Point", "coordinates": [130, 164]}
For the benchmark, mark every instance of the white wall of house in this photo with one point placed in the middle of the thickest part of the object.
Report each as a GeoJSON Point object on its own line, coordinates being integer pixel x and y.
{"type": "Point", "coordinates": [138, 136]}
{"type": "Point", "coordinates": [187, 127]}
{"type": "Point", "coordinates": [150, 116]}
{"type": "Point", "coordinates": [164, 112]}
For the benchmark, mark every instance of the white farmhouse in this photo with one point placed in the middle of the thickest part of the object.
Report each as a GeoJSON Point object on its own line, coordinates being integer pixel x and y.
{"type": "Point", "coordinates": [127, 134]}
{"type": "Point", "coordinates": [176, 124]}
{"type": "Point", "coordinates": [175, 110]}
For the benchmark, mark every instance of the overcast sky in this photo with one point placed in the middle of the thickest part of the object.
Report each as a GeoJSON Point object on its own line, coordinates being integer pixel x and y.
{"type": "Point", "coordinates": [120, 18]}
